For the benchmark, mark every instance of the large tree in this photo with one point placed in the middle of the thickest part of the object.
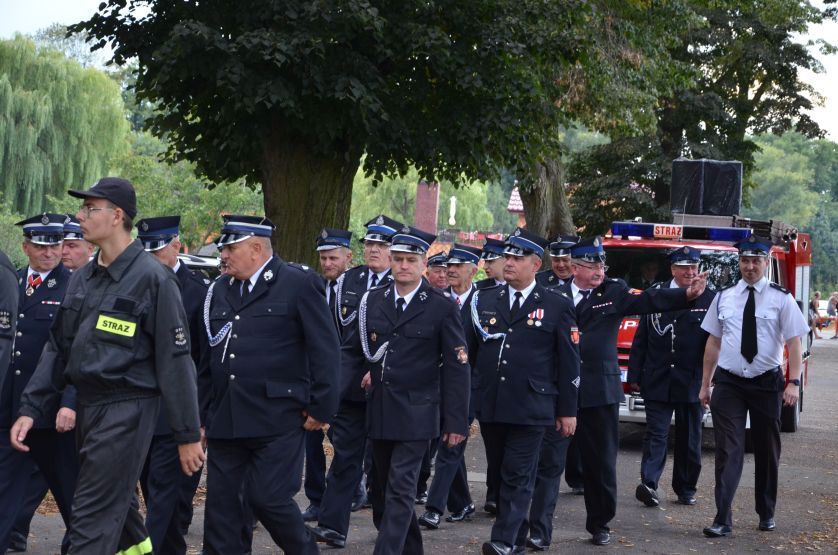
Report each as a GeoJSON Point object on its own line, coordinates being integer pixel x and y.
{"type": "Point", "coordinates": [749, 57]}
{"type": "Point", "coordinates": [292, 93]}
{"type": "Point", "coordinates": [60, 124]}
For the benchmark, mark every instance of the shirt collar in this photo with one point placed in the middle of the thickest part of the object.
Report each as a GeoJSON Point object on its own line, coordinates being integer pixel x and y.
{"type": "Point", "coordinates": [464, 296]}
{"type": "Point", "coordinates": [255, 277]}
{"type": "Point", "coordinates": [524, 292]}
{"type": "Point", "coordinates": [30, 271]}
{"type": "Point", "coordinates": [407, 298]}
{"type": "Point", "coordinates": [118, 266]}
{"type": "Point", "coordinates": [176, 267]}
{"type": "Point", "coordinates": [759, 286]}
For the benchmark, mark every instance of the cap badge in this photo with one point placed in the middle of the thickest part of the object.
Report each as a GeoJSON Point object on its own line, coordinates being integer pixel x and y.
{"type": "Point", "coordinates": [405, 229]}
{"type": "Point", "coordinates": [517, 233]}
{"type": "Point", "coordinates": [379, 220]}
{"type": "Point", "coordinates": [686, 250]}
{"type": "Point", "coordinates": [144, 226]}
{"type": "Point", "coordinates": [67, 220]}
{"type": "Point", "coordinates": [45, 219]}
{"type": "Point", "coordinates": [324, 234]}
{"type": "Point", "coordinates": [596, 242]}
{"type": "Point", "coordinates": [752, 239]}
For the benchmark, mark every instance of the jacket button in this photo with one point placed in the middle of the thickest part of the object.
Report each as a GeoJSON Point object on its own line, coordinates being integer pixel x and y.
{"type": "Point", "coordinates": [232, 355]}
{"type": "Point", "coordinates": [503, 378]}
{"type": "Point", "coordinates": [232, 376]}
{"type": "Point", "coordinates": [510, 330]}
{"type": "Point", "coordinates": [235, 336]}
{"type": "Point", "coordinates": [20, 315]}
{"type": "Point", "coordinates": [672, 366]}
{"type": "Point", "coordinates": [673, 350]}
{"type": "Point", "coordinates": [17, 372]}
{"type": "Point", "coordinates": [20, 334]}
{"type": "Point", "coordinates": [237, 317]}
{"type": "Point", "coordinates": [17, 353]}
{"type": "Point", "coordinates": [508, 345]}
{"type": "Point", "coordinates": [503, 361]}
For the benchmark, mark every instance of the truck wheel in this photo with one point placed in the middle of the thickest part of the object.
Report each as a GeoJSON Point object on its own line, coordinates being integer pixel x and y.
{"type": "Point", "coordinates": [790, 417]}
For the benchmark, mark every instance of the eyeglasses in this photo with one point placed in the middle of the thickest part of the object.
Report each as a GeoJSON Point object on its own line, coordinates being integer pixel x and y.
{"type": "Point", "coordinates": [595, 266]}
{"type": "Point", "coordinates": [87, 210]}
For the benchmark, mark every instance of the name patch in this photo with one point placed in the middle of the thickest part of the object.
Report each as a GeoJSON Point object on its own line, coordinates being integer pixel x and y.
{"type": "Point", "coordinates": [116, 326]}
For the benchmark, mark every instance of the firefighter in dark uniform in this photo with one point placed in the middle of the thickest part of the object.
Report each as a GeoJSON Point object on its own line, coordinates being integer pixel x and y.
{"type": "Point", "coordinates": [162, 483]}
{"type": "Point", "coordinates": [348, 428]}
{"type": "Point", "coordinates": [665, 367]}
{"type": "Point", "coordinates": [409, 340]}
{"type": "Point", "coordinates": [601, 304]}
{"type": "Point", "coordinates": [492, 257]}
{"type": "Point", "coordinates": [42, 285]}
{"type": "Point", "coordinates": [121, 339]}
{"type": "Point", "coordinates": [438, 270]}
{"type": "Point", "coordinates": [749, 324]}
{"type": "Point", "coordinates": [559, 453]}
{"type": "Point", "coordinates": [560, 269]}
{"type": "Point", "coordinates": [528, 371]}
{"type": "Point", "coordinates": [75, 251]}
{"type": "Point", "coordinates": [335, 253]}
{"type": "Point", "coordinates": [450, 484]}
{"type": "Point", "coordinates": [269, 378]}
{"type": "Point", "coordinates": [8, 312]}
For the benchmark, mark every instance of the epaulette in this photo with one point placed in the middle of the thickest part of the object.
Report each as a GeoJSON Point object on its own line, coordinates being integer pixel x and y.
{"type": "Point", "coordinates": [441, 293]}
{"type": "Point", "coordinates": [611, 280]}
{"type": "Point", "coordinates": [726, 287]}
{"type": "Point", "coordinates": [383, 285]}
{"type": "Point", "coordinates": [780, 288]}
{"type": "Point", "coordinates": [557, 291]}
{"type": "Point", "coordinates": [299, 266]}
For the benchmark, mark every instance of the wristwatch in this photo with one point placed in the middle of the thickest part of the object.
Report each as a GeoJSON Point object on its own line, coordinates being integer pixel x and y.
{"type": "Point", "coordinates": [795, 382]}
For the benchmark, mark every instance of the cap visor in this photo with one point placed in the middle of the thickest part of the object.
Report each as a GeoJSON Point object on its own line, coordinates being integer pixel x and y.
{"type": "Point", "coordinates": [85, 194]}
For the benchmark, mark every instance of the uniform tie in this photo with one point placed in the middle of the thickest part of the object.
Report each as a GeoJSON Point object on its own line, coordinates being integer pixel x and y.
{"type": "Point", "coordinates": [332, 285]}
{"type": "Point", "coordinates": [399, 306]}
{"type": "Point", "coordinates": [34, 280]}
{"type": "Point", "coordinates": [585, 294]}
{"type": "Point", "coordinates": [373, 280]}
{"type": "Point", "coordinates": [516, 304]}
{"type": "Point", "coordinates": [749, 327]}
{"type": "Point", "coordinates": [245, 290]}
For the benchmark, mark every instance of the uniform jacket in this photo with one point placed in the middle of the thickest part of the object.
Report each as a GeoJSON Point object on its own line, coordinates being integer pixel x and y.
{"type": "Point", "coordinates": [353, 288]}
{"type": "Point", "coordinates": [668, 367]}
{"type": "Point", "coordinates": [35, 316]}
{"type": "Point", "coordinates": [471, 345]}
{"type": "Point", "coordinates": [121, 334]}
{"type": "Point", "coordinates": [548, 278]}
{"type": "Point", "coordinates": [193, 290]}
{"type": "Point", "coordinates": [486, 283]}
{"type": "Point", "coordinates": [422, 384]}
{"type": "Point", "coordinates": [279, 358]}
{"type": "Point", "coordinates": [530, 376]}
{"type": "Point", "coordinates": [8, 325]}
{"type": "Point", "coordinates": [599, 318]}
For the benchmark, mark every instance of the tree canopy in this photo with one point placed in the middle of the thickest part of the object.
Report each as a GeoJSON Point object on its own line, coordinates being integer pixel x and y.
{"type": "Point", "coordinates": [60, 124]}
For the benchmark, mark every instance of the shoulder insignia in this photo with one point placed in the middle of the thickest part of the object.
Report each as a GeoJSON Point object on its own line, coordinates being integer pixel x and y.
{"type": "Point", "coordinates": [5, 320]}
{"type": "Point", "coordinates": [556, 291]}
{"type": "Point", "coordinates": [206, 281]}
{"type": "Point", "coordinates": [634, 291]}
{"type": "Point", "coordinates": [612, 280]}
{"type": "Point", "coordinates": [780, 288]}
{"type": "Point", "coordinates": [296, 265]}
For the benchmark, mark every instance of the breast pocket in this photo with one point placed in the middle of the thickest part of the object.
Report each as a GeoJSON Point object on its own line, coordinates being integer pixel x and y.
{"type": "Point", "coordinates": [46, 312]}
{"type": "Point", "coordinates": [266, 318]}
{"type": "Point", "coordinates": [418, 331]}
{"type": "Point", "coordinates": [118, 322]}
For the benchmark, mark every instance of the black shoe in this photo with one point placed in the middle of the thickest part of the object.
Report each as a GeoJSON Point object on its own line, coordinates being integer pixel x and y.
{"type": "Point", "coordinates": [430, 520]}
{"type": "Point", "coordinates": [496, 548]}
{"type": "Point", "coordinates": [461, 515]}
{"type": "Point", "coordinates": [361, 503]}
{"type": "Point", "coordinates": [647, 495]}
{"type": "Point", "coordinates": [518, 550]}
{"type": "Point", "coordinates": [491, 507]}
{"type": "Point", "coordinates": [329, 536]}
{"type": "Point", "coordinates": [537, 544]}
{"type": "Point", "coordinates": [686, 500]}
{"type": "Point", "coordinates": [578, 490]}
{"type": "Point", "coordinates": [603, 537]}
{"type": "Point", "coordinates": [17, 543]}
{"type": "Point", "coordinates": [422, 498]}
{"type": "Point", "coordinates": [767, 525]}
{"type": "Point", "coordinates": [311, 514]}
{"type": "Point", "coordinates": [717, 530]}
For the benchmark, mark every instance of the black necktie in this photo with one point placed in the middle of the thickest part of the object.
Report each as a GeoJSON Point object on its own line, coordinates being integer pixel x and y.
{"type": "Point", "coordinates": [374, 281]}
{"type": "Point", "coordinates": [749, 327]}
{"type": "Point", "coordinates": [516, 304]}
{"type": "Point", "coordinates": [585, 294]}
{"type": "Point", "coordinates": [245, 291]}
{"type": "Point", "coordinates": [332, 285]}
{"type": "Point", "coordinates": [399, 306]}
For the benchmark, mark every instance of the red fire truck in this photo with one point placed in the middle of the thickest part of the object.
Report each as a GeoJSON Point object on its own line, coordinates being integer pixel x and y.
{"type": "Point", "coordinates": [637, 253]}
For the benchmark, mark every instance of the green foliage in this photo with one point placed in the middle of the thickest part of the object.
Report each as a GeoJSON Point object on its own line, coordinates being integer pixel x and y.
{"type": "Point", "coordinates": [60, 124]}
{"type": "Point", "coordinates": [168, 189]}
{"type": "Point", "coordinates": [11, 236]}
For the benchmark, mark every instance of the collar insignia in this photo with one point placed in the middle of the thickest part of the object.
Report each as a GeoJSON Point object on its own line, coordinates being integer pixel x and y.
{"type": "Point", "coordinates": [51, 283]}
{"type": "Point", "coordinates": [423, 296]}
{"type": "Point", "coordinates": [269, 275]}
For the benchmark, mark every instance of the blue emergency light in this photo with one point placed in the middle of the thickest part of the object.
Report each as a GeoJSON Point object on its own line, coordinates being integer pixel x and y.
{"type": "Point", "coordinates": [673, 231]}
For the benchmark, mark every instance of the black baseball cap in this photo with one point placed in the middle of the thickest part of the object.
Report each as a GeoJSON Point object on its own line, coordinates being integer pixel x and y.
{"type": "Point", "coordinates": [114, 189]}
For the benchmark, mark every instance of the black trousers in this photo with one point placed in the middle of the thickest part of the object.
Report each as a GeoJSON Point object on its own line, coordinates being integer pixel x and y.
{"type": "Point", "coordinates": [573, 475]}
{"type": "Point", "coordinates": [36, 490]}
{"type": "Point", "coordinates": [687, 464]}
{"type": "Point", "coordinates": [598, 435]}
{"type": "Point", "coordinates": [113, 442]}
{"type": "Point", "coordinates": [492, 473]}
{"type": "Point", "coordinates": [315, 481]}
{"type": "Point", "coordinates": [163, 484]}
{"type": "Point", "coordinates": [55, 455]}
{"type": "Point", "coordinates": [397, 466]}
{"type": "Point", "coordinates": [425, 470]}
{"type": "Point", "coordinates": [272, 468]}
{"type": "Point", "coordinates": [349, 437]}
{"type": "Point", "coordinates": [514, 450]}
{"type": "Point", "coordinates": [450, 484]}
{"type": "Point", "coordinates": [551, 465]}
{"type": "Point", "coordinates": [184, 508]}
{"type": "Point", "coordinates": [732, 399]}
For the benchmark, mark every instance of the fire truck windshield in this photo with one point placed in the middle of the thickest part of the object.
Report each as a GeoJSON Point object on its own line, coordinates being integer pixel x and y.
{"type": "Point", "coordinates": [641, 267]}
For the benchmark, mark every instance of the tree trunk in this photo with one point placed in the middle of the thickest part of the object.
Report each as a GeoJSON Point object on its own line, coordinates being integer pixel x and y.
{"type": "Point", "coordinates": [304, 192]}
{"type": "Point", "coordinates": [545, 202]}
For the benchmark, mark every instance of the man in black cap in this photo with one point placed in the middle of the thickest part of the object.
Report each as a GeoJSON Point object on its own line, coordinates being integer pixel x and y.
{"type": "Point", "coordinates": [75, 251]}
{"type": "Point", "coordinates": [333, 519]}
{"type": "Point", "coordinates": [601, 304]}
{"type": "Point", "coordinates": [528, 369]}
{"type": "Point", "coordinates": [492, 257]}
{"type": "Point", "coordinates": [269, 377]}
{"type": "Point", "coordinates": [743, 363]}
{"type": "Point", "coordinates": [42, 286]}
{"type": "Point", "coordinates": [665, 367]}
{"type": "Point", "coordinates": [450, 484]}
{"type": "Point", "coordinates": [121, 339]}
{"type": "Point", "coordinates": [409, 340]}
{"type": "Point", "coordinates": [166, 490]}
{"type": "Point", "coordinates": [560, 269]}
{"type": "Point", "coordinates": [335, 254]}
{"type": "Point", "coordinates": [437, 271]}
